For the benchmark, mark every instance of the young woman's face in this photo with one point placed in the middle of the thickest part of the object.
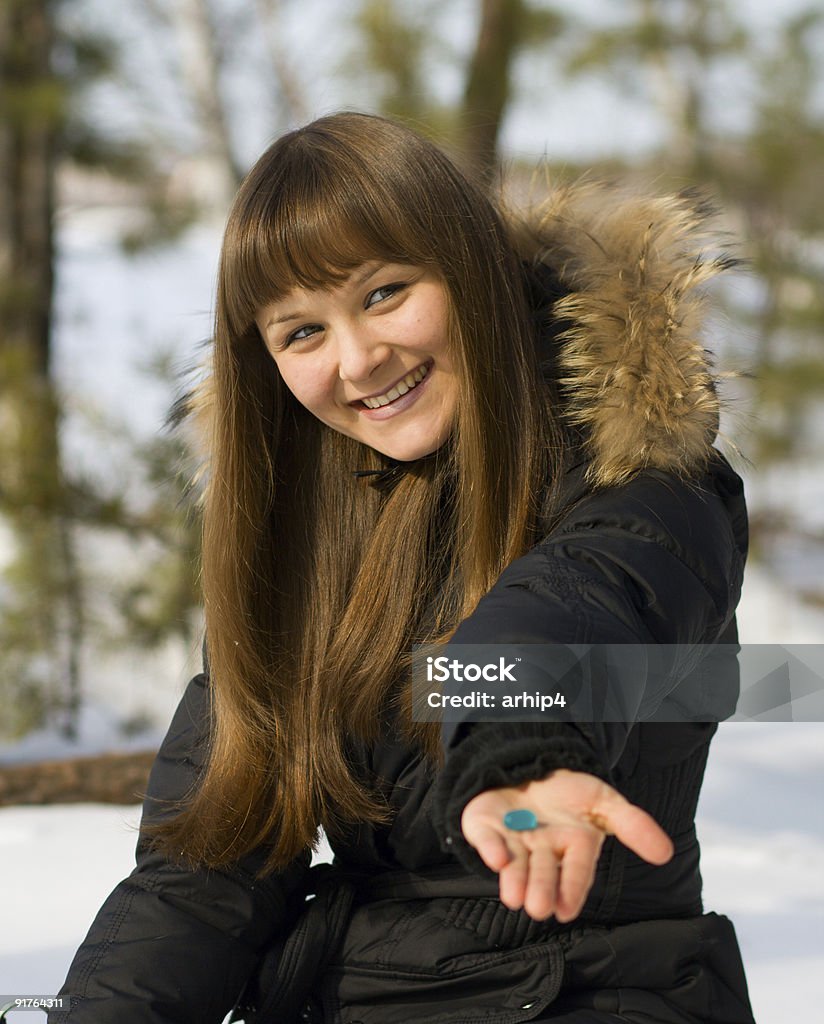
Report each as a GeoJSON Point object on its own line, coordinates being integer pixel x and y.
{"type": "Point", "coordinates": [369, 356]}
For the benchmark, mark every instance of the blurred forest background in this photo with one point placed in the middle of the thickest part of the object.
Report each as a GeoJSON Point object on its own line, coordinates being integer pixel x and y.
{"type": "Point", "coordinates": [133, 124]}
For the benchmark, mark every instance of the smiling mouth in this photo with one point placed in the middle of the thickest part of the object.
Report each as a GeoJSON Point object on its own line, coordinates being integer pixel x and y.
{"type": "Point", "coordinates": [407, 383]}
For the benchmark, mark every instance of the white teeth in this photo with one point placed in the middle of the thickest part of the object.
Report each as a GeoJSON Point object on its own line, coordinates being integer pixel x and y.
{"type": "Point", "coordinates": [408, 382]}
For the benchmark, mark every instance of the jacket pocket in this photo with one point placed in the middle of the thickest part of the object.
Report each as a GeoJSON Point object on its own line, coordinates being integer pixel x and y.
{"type": "Point", "coordinates": [500, 988]}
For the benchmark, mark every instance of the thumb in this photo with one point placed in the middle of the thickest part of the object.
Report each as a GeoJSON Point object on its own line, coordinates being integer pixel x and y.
{"type": "Point", "coordinates": [633, 827]}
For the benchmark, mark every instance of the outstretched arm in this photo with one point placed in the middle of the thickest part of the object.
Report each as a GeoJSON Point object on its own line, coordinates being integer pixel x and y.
{"type": "Point", "coordinates": [654, 567]}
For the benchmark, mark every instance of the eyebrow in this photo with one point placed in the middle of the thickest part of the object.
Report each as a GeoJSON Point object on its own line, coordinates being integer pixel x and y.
{"type": "Point", "coordinates": [358, 279]}
{"type": "Point", "coordinates": [285, 319]}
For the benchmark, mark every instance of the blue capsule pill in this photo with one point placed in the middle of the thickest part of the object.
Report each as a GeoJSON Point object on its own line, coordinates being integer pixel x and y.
{"type": "Point", "coordinates": [520, 821]}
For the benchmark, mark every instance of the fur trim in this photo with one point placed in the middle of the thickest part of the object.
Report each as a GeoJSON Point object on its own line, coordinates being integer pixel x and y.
{"type": "Point", "coordinates": [635, 372]}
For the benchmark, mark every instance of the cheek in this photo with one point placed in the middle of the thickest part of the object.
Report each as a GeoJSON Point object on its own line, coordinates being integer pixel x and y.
{"type": "Point", "coordinates": [306, 385]}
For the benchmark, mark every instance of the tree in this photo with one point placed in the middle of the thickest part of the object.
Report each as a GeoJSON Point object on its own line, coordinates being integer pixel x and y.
{"type": "Point", "coordinates": [668, 49]}
{"type": "Point", "coordinates": [32, 108]}
{"type": "Point", "coordinates": [45, 65]}
{"type": "Point", "coordinates": [195, 159]}
{"type": "Point", "coordinates": [767, 170]}
{"type": "Point", "coordinates": [42, 622]}
{"type": "Point", "coordinates": [398, 46]}
{"type": "Point", "coordinates": [506, 28]}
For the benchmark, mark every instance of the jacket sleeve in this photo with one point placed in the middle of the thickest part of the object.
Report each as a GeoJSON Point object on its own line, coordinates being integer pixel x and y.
{"type": "Point", "coordinates": [658, 561]}
{"type": "Point", "coordinates": [172, 945]}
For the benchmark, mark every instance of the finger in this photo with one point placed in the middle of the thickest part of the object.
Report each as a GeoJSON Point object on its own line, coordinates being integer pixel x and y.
{"type": "Point", "coordinates": [577, 874]}
{"type": "Point", "coordinates": [633, 827]}
{"type": "Point", "coordinates": [541, 896]}
{"type": "Point", "coordinates": [491, 846]}
{"type": "Point", "coordinates": [513, 879]}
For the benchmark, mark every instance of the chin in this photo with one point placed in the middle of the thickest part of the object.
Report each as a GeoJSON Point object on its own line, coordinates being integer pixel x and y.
{"type": "Point", "coordinates": [411, 452]}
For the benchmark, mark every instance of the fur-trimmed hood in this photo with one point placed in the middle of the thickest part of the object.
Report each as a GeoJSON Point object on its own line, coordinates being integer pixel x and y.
{"type": "Point", "coordinates": [635, 374]}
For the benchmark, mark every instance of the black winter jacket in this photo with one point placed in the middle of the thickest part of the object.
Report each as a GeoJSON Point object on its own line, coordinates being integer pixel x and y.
{"type": "Point", "coordinates": [408, 926]}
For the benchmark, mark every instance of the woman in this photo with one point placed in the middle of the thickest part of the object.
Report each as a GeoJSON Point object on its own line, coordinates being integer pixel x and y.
{"type": "Point", "coordinates": [426, 423]}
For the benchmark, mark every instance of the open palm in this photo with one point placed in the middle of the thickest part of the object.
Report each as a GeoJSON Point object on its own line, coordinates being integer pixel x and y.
{"type": "Point", "coordinates": [550, 869]}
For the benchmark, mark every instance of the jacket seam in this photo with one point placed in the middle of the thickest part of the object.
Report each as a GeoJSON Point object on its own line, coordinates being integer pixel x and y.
{"type": "Point", "coordinates": [119, 916]}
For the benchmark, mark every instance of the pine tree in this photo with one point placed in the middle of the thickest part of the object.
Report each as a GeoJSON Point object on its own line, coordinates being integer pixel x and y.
{"type": "Point", "coordinates": [41, 627]}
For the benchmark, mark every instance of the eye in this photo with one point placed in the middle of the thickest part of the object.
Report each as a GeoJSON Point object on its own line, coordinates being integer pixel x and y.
{"type": "Point", "coordinates": [384, 292]}
{"type": "Point", "coordinates": [302, 333]}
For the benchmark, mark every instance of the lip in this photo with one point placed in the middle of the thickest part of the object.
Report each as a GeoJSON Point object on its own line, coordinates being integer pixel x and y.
{"type": "Point", "coordinates": [400, 404]}
{"type": "Point", "coordinates": [427, 363]}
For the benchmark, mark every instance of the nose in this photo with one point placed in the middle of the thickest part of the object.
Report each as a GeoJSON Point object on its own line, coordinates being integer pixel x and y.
{"type": "Point", "coordinates": [359, 354]}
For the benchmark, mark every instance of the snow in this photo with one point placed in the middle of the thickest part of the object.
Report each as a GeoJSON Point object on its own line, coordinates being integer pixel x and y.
{"type": "Point", "coordinates": [761, 825]}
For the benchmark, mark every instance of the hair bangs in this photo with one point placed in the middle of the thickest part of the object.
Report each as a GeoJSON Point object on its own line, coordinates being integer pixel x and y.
{"type": "Point", "coordinates": [321, 220]}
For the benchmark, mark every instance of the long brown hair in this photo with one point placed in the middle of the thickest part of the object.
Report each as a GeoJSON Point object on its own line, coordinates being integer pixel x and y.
{"type": "Point", "coordinates": [315, 583]}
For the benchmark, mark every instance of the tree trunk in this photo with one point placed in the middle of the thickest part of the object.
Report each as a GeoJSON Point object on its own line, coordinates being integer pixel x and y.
{"type": "Point", "coordinates": [29, 112]}
{"type": "Point", "coordinates": [201, 66]}
{"type": "Point", "coordinates": [488, 84]}
{"type": "Point", "coordinates": [45, 596]}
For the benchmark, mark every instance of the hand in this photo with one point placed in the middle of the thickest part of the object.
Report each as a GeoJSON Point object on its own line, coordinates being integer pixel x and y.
{"type": "Point", "coordinates": [550, 869]}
